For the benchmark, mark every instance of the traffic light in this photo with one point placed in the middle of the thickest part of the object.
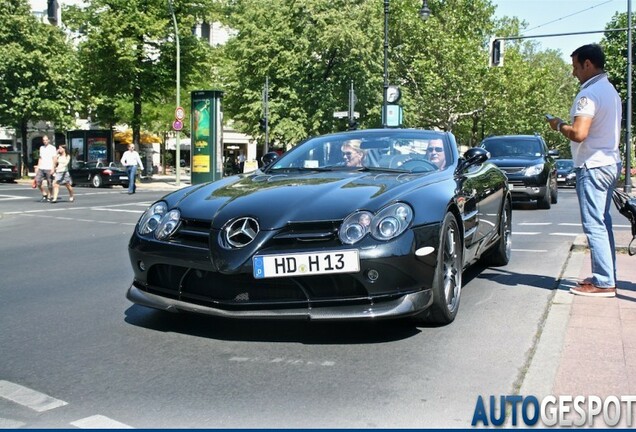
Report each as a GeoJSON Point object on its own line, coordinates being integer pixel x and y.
{"type": "Point", "coordinates": [262, 122]}
{"type": "Point", "coordinates": [353, 124]}
{"type": "Point", "coordinates": [496, 57]}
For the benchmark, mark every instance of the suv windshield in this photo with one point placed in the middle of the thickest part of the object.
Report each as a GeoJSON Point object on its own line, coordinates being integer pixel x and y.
{"type": "Point", "coordinates": [513, 147]}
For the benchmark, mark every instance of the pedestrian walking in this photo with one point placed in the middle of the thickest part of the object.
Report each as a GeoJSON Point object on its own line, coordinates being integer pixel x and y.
{"type": "Point", "coordinates": [594, 134]}
{"type": "Point", "coordinates": [45, 169]}
{"type": "Point", "coordinates": [131, 160]}
{"type": "Point", "coordinates": [62, 175]}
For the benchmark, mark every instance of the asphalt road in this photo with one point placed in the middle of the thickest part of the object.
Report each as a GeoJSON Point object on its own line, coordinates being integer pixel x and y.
{"type": "Point", "coordinates": [75, 353]}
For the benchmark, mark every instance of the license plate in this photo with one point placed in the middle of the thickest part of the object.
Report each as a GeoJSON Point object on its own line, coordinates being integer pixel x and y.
{"type": "Point", "coordinates": [560, 179]}
{"type": "Point", "coordinates": [124, 177]}
{"type": "Point", "coordinates": [6, 169]}
{"type": "Point", "coordinates": [511, 186]}
{"type": "Point", "coordinates": [304, 264]}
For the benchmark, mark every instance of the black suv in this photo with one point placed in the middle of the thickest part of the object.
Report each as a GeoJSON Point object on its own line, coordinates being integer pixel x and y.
{"type": "Point", "coordinates": [530, 167]}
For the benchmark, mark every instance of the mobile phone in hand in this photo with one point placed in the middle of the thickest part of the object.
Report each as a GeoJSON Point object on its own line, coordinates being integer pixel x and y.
{"type": "Point", "coordinates": [549, 117]}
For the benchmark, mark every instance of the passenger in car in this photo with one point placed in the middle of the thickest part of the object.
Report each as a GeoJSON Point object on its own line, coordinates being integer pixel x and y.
{"type": "Point", "coordinates": [435, 153]}
{"type": "Point", "coordinates": [352, 153]}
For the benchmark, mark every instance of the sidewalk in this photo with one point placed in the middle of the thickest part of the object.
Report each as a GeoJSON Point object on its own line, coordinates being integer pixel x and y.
{"type": "Point", "coordinates": [587, 345]}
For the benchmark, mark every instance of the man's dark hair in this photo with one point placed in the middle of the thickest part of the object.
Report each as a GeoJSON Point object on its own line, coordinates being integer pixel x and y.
{"type": "Point", "coordinates": [591, 52]}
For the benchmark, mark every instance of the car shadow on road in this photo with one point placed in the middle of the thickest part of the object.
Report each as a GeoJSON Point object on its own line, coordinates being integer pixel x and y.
{"type": "Point", "coordinates": [301, 331]}
{"type": "Point", "coordinates": [506, 277]}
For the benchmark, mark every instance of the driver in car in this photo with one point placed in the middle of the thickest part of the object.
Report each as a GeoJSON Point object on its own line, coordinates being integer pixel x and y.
{"type": "Point", "coordinates": [352, 153]}
{"type": "Point", "coordinates": [435, 153]}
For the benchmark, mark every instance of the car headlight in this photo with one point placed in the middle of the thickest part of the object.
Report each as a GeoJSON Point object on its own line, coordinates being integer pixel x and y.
{"type": "Point", "coordinates": [149, 221]}
{"type": "Point", "coordinates": [168, 225]}
{"type": "Point", "coordinates": [534, 170]}
{"type": "Point", "coordinates": [389, 223]}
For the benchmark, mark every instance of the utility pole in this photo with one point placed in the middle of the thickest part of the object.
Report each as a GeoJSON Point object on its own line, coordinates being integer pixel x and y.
{"type": "Point", "coordinates": [628, 102]}
{"type": "Point", "coordinates": [177, 163]}
{"type": "Point", "coordinates": [353, 125]}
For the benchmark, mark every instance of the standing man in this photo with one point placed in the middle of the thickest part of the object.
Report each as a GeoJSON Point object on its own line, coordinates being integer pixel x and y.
{"type": "Point", "coordinates": [594, 136]}
{"type": "Point", "coordinates": [131, 160]}
{"type": "Point", "coordinates": [45, 169]}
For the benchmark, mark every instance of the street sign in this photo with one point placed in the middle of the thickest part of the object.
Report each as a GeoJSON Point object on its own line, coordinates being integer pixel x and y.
{"type": "Point", "coordinates": [179, 113]}
{"type": "Point", "coordinates": [345, 114]}
{"type": "Point", "coordinates": [177, 125]}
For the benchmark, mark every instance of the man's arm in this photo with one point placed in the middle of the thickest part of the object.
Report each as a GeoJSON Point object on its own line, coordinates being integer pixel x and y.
{"type": "Point", "coordinates": [577, 131]}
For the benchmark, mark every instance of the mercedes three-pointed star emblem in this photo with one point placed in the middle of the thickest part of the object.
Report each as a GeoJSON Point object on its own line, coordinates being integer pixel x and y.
{"type": "Point", "coordinates": [240, 232]}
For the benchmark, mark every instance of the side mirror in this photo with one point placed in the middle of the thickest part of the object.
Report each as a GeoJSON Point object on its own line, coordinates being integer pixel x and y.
{"type": "Point", "coordinates": [473, 156]}
{"type": "Point", "coordinates": [269, 158]}
{"type": "Point", "coordinates": [553, 153]}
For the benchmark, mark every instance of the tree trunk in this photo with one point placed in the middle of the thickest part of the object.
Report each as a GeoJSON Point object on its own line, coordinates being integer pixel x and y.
{"type": "Point", "coordinates": [25, 147]}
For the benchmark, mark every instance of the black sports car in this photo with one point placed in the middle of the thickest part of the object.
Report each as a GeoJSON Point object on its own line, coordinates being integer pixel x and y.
{"type": "Point", "coordinates": [8, 170]}
{"type": "Point", "coordinates": [98, 174]}
{"type": "Point", "coordinates": [314, 236]}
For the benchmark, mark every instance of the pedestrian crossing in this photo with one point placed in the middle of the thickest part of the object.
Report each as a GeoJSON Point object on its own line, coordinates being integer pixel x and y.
{"type": "Point", "coordinates": [41, 403]}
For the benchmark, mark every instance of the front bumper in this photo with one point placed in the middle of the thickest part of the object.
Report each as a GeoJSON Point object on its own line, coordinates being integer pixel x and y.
{"type": "Point", "coordinates": [402, 306]}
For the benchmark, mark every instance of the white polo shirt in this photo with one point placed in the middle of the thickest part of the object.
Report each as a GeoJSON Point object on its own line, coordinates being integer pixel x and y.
{"type": "Point", "coordinates": [598, 99]}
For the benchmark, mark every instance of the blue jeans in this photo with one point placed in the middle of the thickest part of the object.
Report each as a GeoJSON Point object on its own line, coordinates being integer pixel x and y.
{"type": "Point", "coordinates": [132, 176]}
{"type": "Point", "coordinates": [594, 187]}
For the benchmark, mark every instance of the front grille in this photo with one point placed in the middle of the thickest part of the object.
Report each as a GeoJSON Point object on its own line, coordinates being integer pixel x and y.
{"type": "Point", "coordinates": [192, 232]}
{"type": "Point", "coordinates": [243, 291]}
{"type": "Point", "coordinates": [300, 233]}
{"type": "Point", "coordinates": [513, 170]}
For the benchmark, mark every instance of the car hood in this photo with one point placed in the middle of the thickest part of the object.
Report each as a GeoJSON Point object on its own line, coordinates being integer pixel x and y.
{"type": "Point", "coordinates": [275, 200]}
{"type": "Point", "coordinates": [519, 161]}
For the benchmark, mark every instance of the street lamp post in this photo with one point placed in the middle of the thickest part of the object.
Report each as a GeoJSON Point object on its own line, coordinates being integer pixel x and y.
{"type": "Point", "coordinates": [178, 137]}
{"type": "Point", "coordinates": [424, 13]}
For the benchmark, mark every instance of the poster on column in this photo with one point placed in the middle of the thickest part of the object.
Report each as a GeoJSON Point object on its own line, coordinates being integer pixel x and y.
{"type": "Point", "coordinates": [201, 133]}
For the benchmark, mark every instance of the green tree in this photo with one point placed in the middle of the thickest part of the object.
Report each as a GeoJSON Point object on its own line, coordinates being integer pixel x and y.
{"type": "Point", "coordinates": [311, 51]}
{"type": "Point", "coordinates": [36, 71]}
{"type": "Point", "coordinates": [127, 52]}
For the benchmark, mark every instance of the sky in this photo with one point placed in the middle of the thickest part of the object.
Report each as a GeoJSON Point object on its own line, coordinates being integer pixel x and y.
{"type": "Point", "coordinates": [562, 16]}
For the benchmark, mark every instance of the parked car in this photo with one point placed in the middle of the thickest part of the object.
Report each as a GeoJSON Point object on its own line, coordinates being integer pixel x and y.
{"type": "Point", "coordinates": [308, 237]}
{"type": "Point", "coordinates": [8, 171]}
{"type": "Point", "coordinates": [566, 175]}
{"type": "Point", "coordinates": [98, 174]}
{"type": "Point", "coordinates": [529, 165]}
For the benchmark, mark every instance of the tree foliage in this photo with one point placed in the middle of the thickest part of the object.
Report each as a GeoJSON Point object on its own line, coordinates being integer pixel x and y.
{"type": "Point", "coordinates": [312, 50]}
{"type": "Point", "coordinates": [128, 54]}
{"type": "Point", "coordinates": [36, 80]}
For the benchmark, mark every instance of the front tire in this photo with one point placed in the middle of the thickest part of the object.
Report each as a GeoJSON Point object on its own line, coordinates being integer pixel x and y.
{"type": "Point", "coordinates": [545, 201]}
{"type": "Point", "coordinates": [447, 283]}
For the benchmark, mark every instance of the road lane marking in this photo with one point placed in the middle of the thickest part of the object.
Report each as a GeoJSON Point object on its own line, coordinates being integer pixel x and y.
{"type": "Point", "coordinates": [12, 197]}
{"type": "Point", "coordinates": [530, 250]}
{"type": "Point", "coordinates": [80, 220]}
{"type": "Point", "coordinates": [282, 360]}
{"type": "Point", "coordinates": [99, 422]}
{"type": "Point", "coordinates": [525, 233]}
{"type": "Point", "coordinates": [10, 424]}
{"type": "Point", "coordinates": [564, 234]}
{"type": "Point", "coordinates": [29, 398]}
{"type": "Point", "coordinates": [535, 223]}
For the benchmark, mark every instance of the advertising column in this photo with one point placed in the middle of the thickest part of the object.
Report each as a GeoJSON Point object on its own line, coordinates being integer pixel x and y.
{"type": "Point", "coordinates": [206, 142]}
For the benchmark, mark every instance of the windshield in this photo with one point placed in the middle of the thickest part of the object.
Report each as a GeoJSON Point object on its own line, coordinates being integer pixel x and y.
{"type": "Point", "coordinates": [514, 148]}
{"type": "Point", "coordinates": [564, 164]}
{"type": "Point", "coordinates": [390, 150]}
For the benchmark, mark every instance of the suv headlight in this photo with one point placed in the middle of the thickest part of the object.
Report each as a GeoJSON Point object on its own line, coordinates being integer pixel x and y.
{"type": "Point", "coordinates": [534, 170]}
{"type": "Point", "coordinates": [149, 221]}
{"type": "Point", "coordinates": [389, 223]}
